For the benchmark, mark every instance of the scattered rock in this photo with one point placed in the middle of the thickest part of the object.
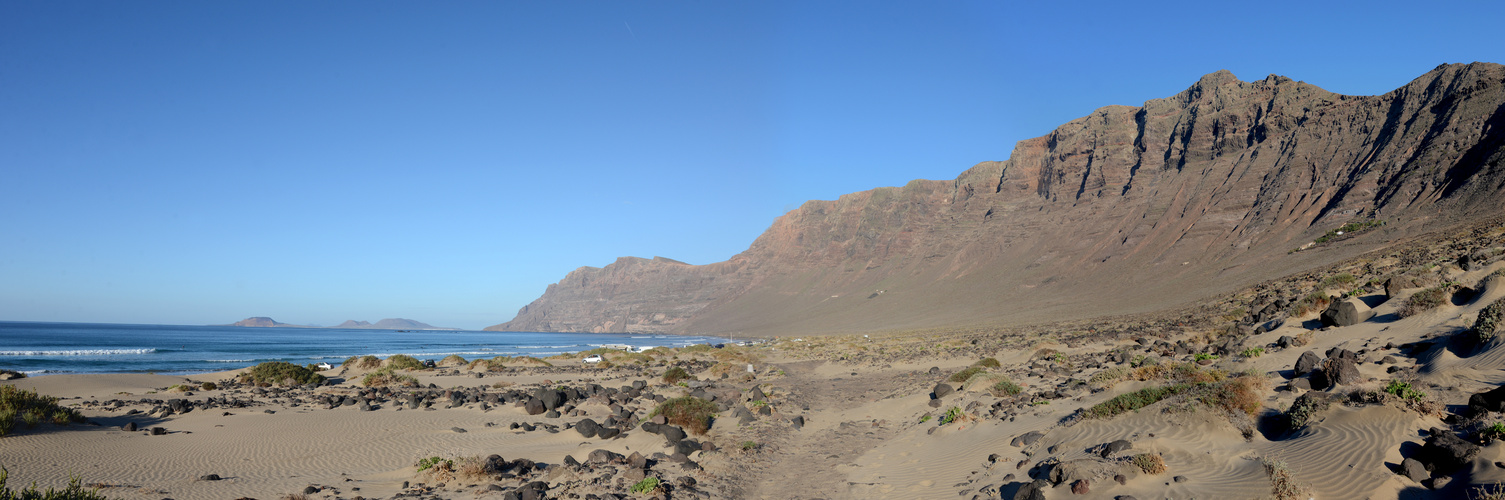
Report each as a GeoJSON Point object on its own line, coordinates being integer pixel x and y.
{"type": "Point", "coordinates": [941, 390]}
{"type": "Point", "coordinates": [1027, 438]}
{"type": "Point", "coordinates": [209, 477]}
{"type": "Point", "coordinates": [1444, 452]}
{"type": "Point", "coordinates": [1306, 363]}
{"type": "Point", "coordinates": [1413, 469]}
{"type": "Point", "coordinates": [1080, 487]}
{"type": "Point", "coordinates": [1115, 447]}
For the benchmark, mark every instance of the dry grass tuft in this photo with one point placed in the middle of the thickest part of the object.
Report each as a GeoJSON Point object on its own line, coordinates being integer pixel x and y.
{"type": "Point", "coordinates": [1282, 483]}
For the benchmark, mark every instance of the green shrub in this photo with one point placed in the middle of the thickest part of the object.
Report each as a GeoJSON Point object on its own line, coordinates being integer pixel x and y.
{"type": "Point", "coordinates": [1304, 408]}
{"type": "Point", "coordinates": [1423, 301]}
{"type": "Point", "coordinates": [1149, 463]}
{"type": "Point", "coordinates": [1404, 390]}
{"type": "Point", "coordinates": [1340, 279]}
{"type": "Point", "coordinates": [404, 362]}
{"type": "Point", "coordinates": [951, 415]}
{"type": "Point", "coordinates": [1132, 401]}
{"type": "Point", "coordinates": [388, 377]}
{"type": "Point", "coordinates": [1006, 388]}
{"type": "Point", "coordinates": [362, 362]}
{"type": "Point", "coordinates": [74, 491]}
{"type": "Point", "coordinates": [963, 375]}
{"type": "Point", "coordinates": [988, 363]}
{"type": "Point", "coordinates": [280, 373]}
{"type": "Point", "coordinates": [1492, 433]}
{"type": "Point", "coordinates": [1490, 320]}
{"type": "Point", "coordinates": [675, 374]}
{"type": "Point", "coordinates": [1252, 352]}
{"type": "Point", "coordinates": [1202, 356]}
{"type": "Point", "coordinates": [647, 485]}
{"type": "Point", "coordinates": [749, 445]}
{"type": "Point", "coordinates": [33, 408]}
{"type": "Point", "coordinates": [435, 463]}
{"type": "Point", "coordinates": [210, 386]}
{"type": "Point", "coordinates": [689, 412]}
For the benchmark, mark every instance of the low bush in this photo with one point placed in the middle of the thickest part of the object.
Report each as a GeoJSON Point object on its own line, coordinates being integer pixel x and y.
{"type": "Point", "coordinates": [1423, 301]}
{"type": "Point", "coordinates": [952, 414]}
{"type": "Point", "coordinates": [1005, 388]}
{"type": "Point", "coordinates": [1304, 408]}
{"type": "Point", "coordinates": [32, 408]}
{"type": "Point", "coordinates": [453, 360]}
{"type": "Point", "coordinates": [1315, 301]}
{"type": "Point", "coordinates": [210, 386]}
{"type": "Point", "coordinates": [388, 377]}
{"type": "Point", "coordinates": [676, 374]}
{"type": "Point", "coordinates": [404, 362]}
{"type": "Point", "coordinates": [1404, 390]}
{"type": "Point", "coordinates": [1252, 352]}
{"type": "Point", "coordinates": [988, 363]}
{"type": "Point", "coordinates": [280, 373]}
{"type": "Point", "coordinates": [689, 412]}
{"type": "Point", "coordinates": [1150, 463]}
{"type": "Point", "coordinates": [74, 491]}
{"type": "Point", "coordinates": [1492, 433]}
{"type": "Point", "coordinates": [1131, 401]}
{"type": "Point", "coordinates": [647, 485]}
{"type": "Point", "coordinates": [1340, 279]}
{"type": "Point", "coordinates": [1490, 320]}
{"type": "Point", "coordinates": [1108, 378]}
{"type": "Point", "coordinates": [963, 375]}
{"type": "Point", "coordinates": [1282, 483]}
{"type": "Point", "coordinates": [488, 365]}
{"type": "Point", "coordinates": [362, 362]}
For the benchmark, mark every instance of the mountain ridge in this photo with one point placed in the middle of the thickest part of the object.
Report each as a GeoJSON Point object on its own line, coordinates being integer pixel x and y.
{"type": "Point", "coordinates": [1127, 209]}
{"type": "Point", "coordinates": [385, 324]}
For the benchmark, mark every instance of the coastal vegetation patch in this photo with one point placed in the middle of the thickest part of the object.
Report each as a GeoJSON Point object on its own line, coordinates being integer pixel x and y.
{"type": "Point", "coordinates": [33, 409]}
{"type": "Point", "coordinates": [689, 412]}
{"type": "Point", "coordinates": [280, 373]}
{"type": "Point", "coordinates": [74, 491]}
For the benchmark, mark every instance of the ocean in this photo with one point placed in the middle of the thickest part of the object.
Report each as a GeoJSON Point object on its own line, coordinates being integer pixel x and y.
{"type": "Point", "coordinates": [51, 348]}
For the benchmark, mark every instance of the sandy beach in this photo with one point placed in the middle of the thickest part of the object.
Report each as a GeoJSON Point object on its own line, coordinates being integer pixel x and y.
{"type": "Point", "coordinates": [813, 419]}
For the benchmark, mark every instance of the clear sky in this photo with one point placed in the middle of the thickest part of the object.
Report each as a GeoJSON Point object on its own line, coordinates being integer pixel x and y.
{"type": "Point", "coordinates": [202, 162]}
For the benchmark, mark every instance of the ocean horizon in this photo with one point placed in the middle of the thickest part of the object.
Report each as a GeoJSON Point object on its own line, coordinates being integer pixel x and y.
{"type": "Point", "coordinates": [47, 348]}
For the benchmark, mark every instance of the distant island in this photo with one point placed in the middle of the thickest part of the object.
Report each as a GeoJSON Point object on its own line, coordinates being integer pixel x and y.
{"type": "Point", "coordinates": [385, 324]}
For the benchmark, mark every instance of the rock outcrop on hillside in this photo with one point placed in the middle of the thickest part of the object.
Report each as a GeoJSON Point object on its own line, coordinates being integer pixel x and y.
{"type": "Point", "coordinates": [1128, 209]}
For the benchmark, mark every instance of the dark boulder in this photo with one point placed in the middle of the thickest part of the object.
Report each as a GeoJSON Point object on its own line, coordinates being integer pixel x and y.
{"type": "Point", "coordinates": [1336, 372]}
{"type": "Point", "coordinates": [1413, 469]}
{"type": "Point", "coordinates": [1444, 452]}
{"type": "Point", "coordinates": [551, 398]}
{"type": "Point", "coordinates": [1491, 400]}
{"type": "Point", "coordinates": [588, 428]}
{"type": "Point", "coordinates": [1080, 487]}
{"type": "Point", "coordinates": [941, 390]}
{"type": "Point", "coordinates": [534, 406]}
{"type": "Point", "coordinates": [1346, 312]}
{"type": "Point", "coordinates": [129, 427]}
{"type": "Point", "coordinates": [1034, 490]}
{"type": "Point", "coordinates": [672, 433]}
{"type": "Point", "coordinates": [1027, 438]}
{"type": "Point", "coordinates": [1306, 363]}
{"type": "Point", "coordinates": [1115, 447]}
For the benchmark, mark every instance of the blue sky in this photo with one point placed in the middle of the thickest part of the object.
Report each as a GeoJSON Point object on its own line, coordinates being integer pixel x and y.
{"type": "Point", "coordinates": [202, 162]}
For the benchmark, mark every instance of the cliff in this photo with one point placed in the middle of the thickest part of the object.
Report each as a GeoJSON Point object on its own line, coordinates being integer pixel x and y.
{"type": "Point", "coordinates": [1128, 209]}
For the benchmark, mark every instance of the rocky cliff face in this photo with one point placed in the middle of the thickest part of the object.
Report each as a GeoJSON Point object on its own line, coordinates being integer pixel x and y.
{"type": "Point", "coordinates": [1128, 209]}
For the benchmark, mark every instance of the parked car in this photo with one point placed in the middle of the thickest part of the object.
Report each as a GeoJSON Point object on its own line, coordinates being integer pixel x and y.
{"type": "Point", "coordinates": [594, 358]}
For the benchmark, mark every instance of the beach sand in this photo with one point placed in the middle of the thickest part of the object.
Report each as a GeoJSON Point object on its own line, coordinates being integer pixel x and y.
{"type": "Point", "coordinates": [867, 428]}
